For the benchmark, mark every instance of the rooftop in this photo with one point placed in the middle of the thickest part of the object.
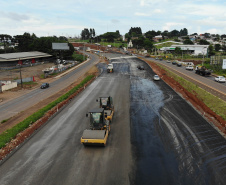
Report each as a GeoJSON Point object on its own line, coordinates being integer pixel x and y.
{"type": "Point", "coordinates": [23, 56]}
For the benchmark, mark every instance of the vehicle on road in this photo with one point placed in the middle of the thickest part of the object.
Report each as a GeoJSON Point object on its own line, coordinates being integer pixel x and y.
{"type": "Point", "coordinates": [99, 128]}
{"type": "Point", "coordinates": [202, 70]}
{"type": "Point", "coordinates": [156, 77]}
{"type": "Point", "coordinates": [156, 58]}
{"type": "Point", "coordinates": [189, 68]}
{"type": "Point", "coordinates": [140, 67]}
{"type": "Point", "coordinates": [179, 64]}
{"type": "Point", "coordinates": [44, 85]}
{"type": "Point", "coordinates": [168, 61]}
{"type": "Point", "coordinates": [110, 68]}
{"type": "Point", "coordinates": [174, 62]}
{"type": "Point", "coordinates": [220, 79]}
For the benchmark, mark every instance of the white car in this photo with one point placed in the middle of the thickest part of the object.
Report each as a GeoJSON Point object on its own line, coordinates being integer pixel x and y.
{"type": "Point", "coordinates": [220, 79]}
{"type": "Point", "coordinates": [156, 77]}
{"type": "Point", "coordinates": [189, 68]}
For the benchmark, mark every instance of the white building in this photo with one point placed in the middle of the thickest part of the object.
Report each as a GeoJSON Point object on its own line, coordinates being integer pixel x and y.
{"type": "Point", "coordinates": [192, 49]}
{"type": "Point", "coordinates": [130, 44]}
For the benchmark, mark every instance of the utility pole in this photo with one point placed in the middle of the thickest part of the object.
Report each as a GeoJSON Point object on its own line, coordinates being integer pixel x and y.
{"type": "Point", "coordinates": [182, 56]}
{"type": "Point", "coordinates": [21, 81]}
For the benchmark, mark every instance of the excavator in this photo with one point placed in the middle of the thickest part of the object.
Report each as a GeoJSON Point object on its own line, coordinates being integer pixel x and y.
{"type": "Point", "coordinates": [99, 128]}
{"type": "Point", "coordinates": [107, 104]}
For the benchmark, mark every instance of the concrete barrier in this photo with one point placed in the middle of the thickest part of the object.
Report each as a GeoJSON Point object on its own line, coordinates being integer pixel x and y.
{"type": "Point", "coordinates": [8, 85]}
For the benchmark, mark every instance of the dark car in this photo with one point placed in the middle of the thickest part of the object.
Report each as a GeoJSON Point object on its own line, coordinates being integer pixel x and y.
{"type": "Point", "coordinates": [140, 67]}
{"type": "Point", "coordinates": [174, 62]}
{"type": "Point", "coordinates": [179, 64]}
{"type": "Point", "coordinates": [44, 85]}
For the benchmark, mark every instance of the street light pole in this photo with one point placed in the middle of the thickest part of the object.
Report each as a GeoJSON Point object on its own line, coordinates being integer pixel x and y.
{"type": "Point", "coordinates": [203, 56]}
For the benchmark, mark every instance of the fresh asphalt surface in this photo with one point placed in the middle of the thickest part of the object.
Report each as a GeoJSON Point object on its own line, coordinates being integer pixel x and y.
{"type": "Point", "coordinates": [156, 138]}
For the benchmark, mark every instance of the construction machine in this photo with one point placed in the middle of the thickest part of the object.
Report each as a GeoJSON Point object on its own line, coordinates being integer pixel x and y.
{"type": "Point", "coordinates": [110, 68]}
{"type": "Point", "coordinates": [99, 128]}
{"type": "Point", "coordinates": [107, 104]}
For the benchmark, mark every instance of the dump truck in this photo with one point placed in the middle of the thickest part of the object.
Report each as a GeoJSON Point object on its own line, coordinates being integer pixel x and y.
{"type": "Point", "coordinates": [202, 70]}
{"type": "Point", "coordinates": [107, 104]}
{"type": "Point", "coordinates": [110, 68]}
{"type": "Point", "coordinates": [99, 128]}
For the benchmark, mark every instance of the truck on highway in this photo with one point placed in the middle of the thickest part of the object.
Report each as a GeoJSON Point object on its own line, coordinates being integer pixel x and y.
{"type": "Point", "coordinates": [99, 128]}
{"type": "Point", "coordinates": [110, 68]}
{"type": "Point", "coordinates": [202, 70]}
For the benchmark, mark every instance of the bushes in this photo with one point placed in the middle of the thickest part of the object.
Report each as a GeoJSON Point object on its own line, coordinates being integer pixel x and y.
{"type": "Point", "coordinates": [9, 134]}
{"type": "Point", "coordinates": [79, 57]}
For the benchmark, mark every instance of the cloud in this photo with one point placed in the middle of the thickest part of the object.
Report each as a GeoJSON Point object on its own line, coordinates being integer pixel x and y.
{"type": "Point", "coordinates": [158, 11]}
{"type": "Point", "coordinates": [142, 14]}
{"type": "Point", "coordinates": [200, 15]}
{"type": "Point", "coordinates": [168, 25]}
{"type": "Point", "coordinates": [114, 21]}
{"type": "Point", "coordinates": [14, 16]}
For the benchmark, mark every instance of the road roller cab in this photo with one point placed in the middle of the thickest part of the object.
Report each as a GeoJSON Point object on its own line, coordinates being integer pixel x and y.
{"type": "Point", "coordinates": [99, 128]}
{"type": "Point", "coordinates": [106, 103]}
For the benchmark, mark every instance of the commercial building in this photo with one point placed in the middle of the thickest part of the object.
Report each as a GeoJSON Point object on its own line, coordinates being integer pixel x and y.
{"type": "Point", "coordinates": [12, 59]}
{"type": "Point", "coordinates": [191, 49]}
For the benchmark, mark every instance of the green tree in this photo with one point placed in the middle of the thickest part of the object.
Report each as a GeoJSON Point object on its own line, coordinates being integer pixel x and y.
{"type": "Point", "coordinates": [135, 31]}
{"type": "Point", "coordinates": [85, 34]}
{"type": "Point", "coordinates": [138, 43]}
{"type": "Point", "coordinates": [94, 34]}
{"type": "Point", "coordinates": [174, 33]}
{"type": "Point", "coordinates": [91, 32]}
{"type": "Point", "coordinates": [148, 45]}
{"type": "Point", "coordinates": [211, 50]}
{"type": "Point", "coordinates": [188, 41]}
{"type": "Point", "coordinates": [203, 42]}
{"type": "Point", "coordinates": [183, 32]}
{"type": "Point", "coordinates": [223, 47]}
{"type": "Point", "coordinates": [177, 51]}
{"type": "Point", "coordinates": [217, 47]}
{"type": "Point", "coordinates": [6, 40]}
{"type": "Point", "coordinates": [25, 41]}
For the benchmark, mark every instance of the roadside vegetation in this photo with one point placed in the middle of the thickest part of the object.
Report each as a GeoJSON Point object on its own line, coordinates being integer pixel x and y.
{"type": "Point", "coordinates": [9, 134]}
{"type": "Point", "coordinates": [79, 57]}
{"type": "Point", "coordinates": [214, 103]}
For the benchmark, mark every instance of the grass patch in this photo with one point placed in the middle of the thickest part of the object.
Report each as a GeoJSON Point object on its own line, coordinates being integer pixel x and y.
{"type": "Point", "coordinates": [30, 83]}
{"type": "Point", "coordinates": [5, 120]}
{"type": "Point", "coordinates": [116, 44]}
{"type": "Point", "coordinates": [214, 103]}
{"type": "Point", "coordinates": [9, 134]}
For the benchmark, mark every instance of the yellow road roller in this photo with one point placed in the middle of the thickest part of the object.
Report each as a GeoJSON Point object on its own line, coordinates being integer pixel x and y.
{"type": "Point", "coordinates": [99, 128]}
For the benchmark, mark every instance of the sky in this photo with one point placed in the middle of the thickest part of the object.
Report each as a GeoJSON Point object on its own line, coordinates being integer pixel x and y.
{"type": "Point", "coordinates": [69, 17]}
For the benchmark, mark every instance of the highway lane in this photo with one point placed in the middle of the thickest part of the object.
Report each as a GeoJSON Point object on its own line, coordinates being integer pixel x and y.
{"type": "Point", "coordinates": [156, 138]}
{"type": "Point", "coordinates": [55, 156]}
{"type": "Point", "coordinates": [172, 143]}
{"type": "Point", "coordinates": [14, 106]}
{"type": "Point", "coordinates": [205, 82]}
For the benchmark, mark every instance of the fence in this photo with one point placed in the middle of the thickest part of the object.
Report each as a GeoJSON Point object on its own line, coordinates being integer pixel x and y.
{"type": "Point", "coordinates": [29, 79]}
{"type": "Point", "coordinates": [6, 85]}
